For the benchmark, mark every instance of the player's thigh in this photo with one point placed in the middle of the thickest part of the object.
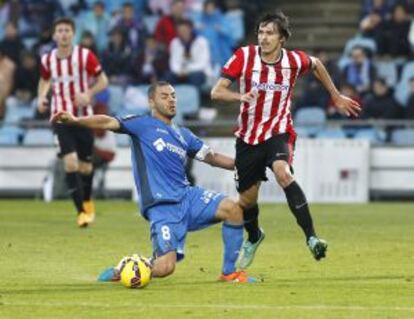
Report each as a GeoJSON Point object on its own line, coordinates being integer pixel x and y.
{"type": "Point", "coordinates": [201, 206]}
{"type": "Point", "coordinates": [229, 211]}
{"type": "Point", "coordinates": [250, 165]}
{"type": "Point", "coordinates": [280, 148]}
{"type": "Point", "coordinates": [84, 144]}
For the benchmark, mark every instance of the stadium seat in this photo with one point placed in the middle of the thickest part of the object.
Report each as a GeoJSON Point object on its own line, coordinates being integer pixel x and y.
{"type": "Point", "coordinates": [40, 136]}
{"type": "Point", "coordinates": [374, 136]}
{"type": "Point", "coordinates": [116, 96]}
{"type": "Point", "coordinates": [328, 133]}
{"type": "Point", "coordinates": [402, 91]}
{"type": "Point", "coordinates": [188, 101]}
{"type": "Point", "coordinates": [302, 132]}
{"type": "Point", "coordinates": [10, 135]}
{"type": "Point", "coordinates": [388, 71]}
{"type": "Point", "coordinates": [150, 22]}
{"type": "Point", "coordinates": [14, 114]}
{"type": "Point", "coordinates": [122, 140]}
{"type": "Point", "coordinates": [236, 21]}
{"type": "Point", "coordinates": [403, 137]}
{"type": "Point", "coordinates": [312, 119]}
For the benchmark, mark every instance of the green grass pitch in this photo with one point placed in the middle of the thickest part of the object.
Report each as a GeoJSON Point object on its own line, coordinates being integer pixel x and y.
{"type": "Point", "coordinates": [48, 267]}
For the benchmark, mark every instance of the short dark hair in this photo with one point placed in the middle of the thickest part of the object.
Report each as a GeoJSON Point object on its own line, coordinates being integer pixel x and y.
{"type": "Point", "coordinates": [153, 87]}
{"type": "Point", "coordinates": [186, 22]}
{"type": "Point", "coordinates": [64, 20]}
{"type": "Point", "coordinates": [279, 19]}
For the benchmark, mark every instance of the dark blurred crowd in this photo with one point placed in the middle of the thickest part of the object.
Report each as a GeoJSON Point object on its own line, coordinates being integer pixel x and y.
{"type": "Point", "coordinates": [376, 67]}
{"type": "Point", "coordinates": [139, 41]}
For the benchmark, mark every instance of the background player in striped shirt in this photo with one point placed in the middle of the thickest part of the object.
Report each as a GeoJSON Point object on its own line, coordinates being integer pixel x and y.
{"type": "Point", "coordinates": [266, 74]}
{"type": "Point", "coordinates": [74, 75]}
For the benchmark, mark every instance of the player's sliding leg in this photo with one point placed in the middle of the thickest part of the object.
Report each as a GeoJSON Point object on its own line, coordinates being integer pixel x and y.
{"type": "Point", "coordinates": [232, 233]}
{"type": "Point", "coordinates": [75, 186]}
{"type": "Point", "coordinates": [299, 207]}
{"type": "Point", "coordinates": [86, 173]}
{"type": "Point", "coordinates": [255, 235]}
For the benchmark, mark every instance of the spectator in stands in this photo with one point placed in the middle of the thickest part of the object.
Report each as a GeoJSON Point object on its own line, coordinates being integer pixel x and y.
{"type": "Point", "coordinates": [160, 7]}
{"type": "Point", "coordinates": [215, 27]}
{"type": "Point", "coordinates": [131, 26]}
{"type": "Point", "coordinates": [7, 69]}
{"type": "Point", "coordinates": [25, 81]}
{"type": "Point", "coordinates": [314, 92]}
{"type": "Point", "coordinates": [347, 90]}
{"type": "Point", "coordinates": [117, 58]}
{"type": "Point", "coordinates": [88, 41]}
{"type": "Point", "coordinates": [165, 31]}
{"type": "Point", "coordinates": [235, 16]}
{"type": "Point", "coordinates": [409, 108]}
{"type": "Point", "coordinates": [35, 16]}
{"type": "Point", "coordinates": [380, 104]}
{"type": "Point", "coordinates": [45, 42]}
{"type": "Point", "coordinates": [394, 34]}
{"type": "Point", "coordinates": [380, 7]}
{"type": "Point", "coordinates": [189, 56]}
{"type": "Point", "coordinates": [360, 71]}
{"type": "Point", "coordinates": [12, 44]}
{"type": "Point", "coordinates": [151, 64]}
{"type": "Point", "coordinates": [98, 23]}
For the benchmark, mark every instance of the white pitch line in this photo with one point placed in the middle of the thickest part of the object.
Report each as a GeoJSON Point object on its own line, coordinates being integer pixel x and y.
{"type": "Point", "coordinates": [210, 306]}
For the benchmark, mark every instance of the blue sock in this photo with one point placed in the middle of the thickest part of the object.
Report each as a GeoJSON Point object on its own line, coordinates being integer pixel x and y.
{"type": "Point", "coordinates": [232, 240]}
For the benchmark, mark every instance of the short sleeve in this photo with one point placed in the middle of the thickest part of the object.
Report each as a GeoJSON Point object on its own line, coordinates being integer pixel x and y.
{"type": "Point", "coordinates": [195, 145]}
{"type": "Point", "coordinates": [128, 124]}
{"type": "Point", "coordinates": [305, 62]}
{"type": "Point", "coordinates": [45, 67]}
{"type": "Point", "coordinates": [234, 66]}
{"type": "Point", "coordinates": [93, 67]}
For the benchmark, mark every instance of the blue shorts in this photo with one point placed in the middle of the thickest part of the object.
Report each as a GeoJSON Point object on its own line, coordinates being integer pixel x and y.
{"type": "Point", "coordinates": [170, 222]}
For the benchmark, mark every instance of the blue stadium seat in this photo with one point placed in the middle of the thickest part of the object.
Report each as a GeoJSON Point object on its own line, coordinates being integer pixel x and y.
{"type": "Point", "coordinates": [150, 22]}
{"type": "Point", "coordinates": [122, 139]}
{"type": "Point", "coordinates": [39, 136]}
{"type": "Point", "coordinates": [328, 133]}
{"type": "Point", "coordinates": [116, 96]}
{"type": "Point", "coordinates": [10, 135]}
{"type": "Point", "coordinates": [403, 137]}
{"type": "Point", "coordinates": [388, 71]}
{"type": "Point", "coordinates": [188, 101]}
{"type": "Point", "coordinates": [302, 132]}
{"type": "Point", "coordinates": [402, 91]}
{"type": "Point", "coordinates": [14, 114]}
{"type": "Point", "coordinates": [311, 118]}
{"type": "Point", "coordinates": [374, 136]}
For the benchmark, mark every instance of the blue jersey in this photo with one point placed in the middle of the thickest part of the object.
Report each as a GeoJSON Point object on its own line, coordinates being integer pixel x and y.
{"type": "Point", "coordinates": [159, 156]}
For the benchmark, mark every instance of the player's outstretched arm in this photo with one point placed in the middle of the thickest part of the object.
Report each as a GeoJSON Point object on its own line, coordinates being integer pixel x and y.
{"type": "Point", "coordinates": [221, 92]}
{"type": "Point", "coordinates": [94, 122]}
{"type": "Point", "coordinates": [219, 160]}
{"type": "Point", "coordinates": [344, 104]}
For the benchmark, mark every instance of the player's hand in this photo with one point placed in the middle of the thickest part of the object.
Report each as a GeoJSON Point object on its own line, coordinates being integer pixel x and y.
{"type": "Point", "coordinates": [83, 99]}
{"type": "Point", "coordinates": [249, 96]}
{"type": "Point", "coordinates": [42, 104]}
{"type": "Point", "coordinates": [63, 117]}
{"type": "Point", "coordinates": [346, 105]}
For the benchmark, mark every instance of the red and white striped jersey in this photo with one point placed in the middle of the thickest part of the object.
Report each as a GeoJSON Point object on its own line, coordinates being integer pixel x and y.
{"type": "Point", "coordinates": [69, 76]}
{"type": "Point", "coordinates": [269, 114]}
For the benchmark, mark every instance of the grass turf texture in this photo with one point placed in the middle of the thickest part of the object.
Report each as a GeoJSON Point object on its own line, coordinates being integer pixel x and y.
{"type": "Point", "coordinates": [48, 267]}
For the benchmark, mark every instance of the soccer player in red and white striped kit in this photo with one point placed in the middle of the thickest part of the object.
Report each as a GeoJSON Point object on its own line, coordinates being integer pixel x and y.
{"type": "Point", "coordinates": [266, 74]}
{"type": "Point", "coordinates": [74, 75]}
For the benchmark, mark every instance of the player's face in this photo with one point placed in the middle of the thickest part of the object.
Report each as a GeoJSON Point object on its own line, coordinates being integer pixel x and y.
{"type": "Point", "coordinates": [164, 101]}
{"type": "Point", "coordinates": [63, 35]}
{"type": "Point", "coordinates": [269, 38]}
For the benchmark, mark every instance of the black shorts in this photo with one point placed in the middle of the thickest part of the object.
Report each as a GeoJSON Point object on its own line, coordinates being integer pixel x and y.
{"type": "Point", "coordinates": [75, 139]}
{"type": "Point", "coordinates": [252, 160]}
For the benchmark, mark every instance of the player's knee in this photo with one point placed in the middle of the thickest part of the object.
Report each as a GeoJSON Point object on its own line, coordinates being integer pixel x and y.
{"type": "Point", "coordinates": [165, 269]}
{"type": "Point", "coordinates": [71, 164]}
{"type": "Point", "coordinates": [85, 168]}
{"type": "Point", "coordinates": [282, 174]}
{"type": "Point", "coordinates": [234, 213]}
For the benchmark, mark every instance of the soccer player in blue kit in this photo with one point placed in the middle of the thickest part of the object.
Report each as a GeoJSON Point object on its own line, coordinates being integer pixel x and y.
{"type": "Point", "coordinates": [159, 153]}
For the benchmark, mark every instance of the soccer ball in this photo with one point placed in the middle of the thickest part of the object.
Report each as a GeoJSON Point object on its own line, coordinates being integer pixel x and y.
{"type": "Point", "coordinates": [136, 273]}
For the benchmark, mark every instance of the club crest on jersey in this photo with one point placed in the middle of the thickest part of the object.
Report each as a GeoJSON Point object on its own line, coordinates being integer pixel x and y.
{"type": "Point", "coordinates": [160, 145]}
{"type": "Point", "coordinates": [270, 86]}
